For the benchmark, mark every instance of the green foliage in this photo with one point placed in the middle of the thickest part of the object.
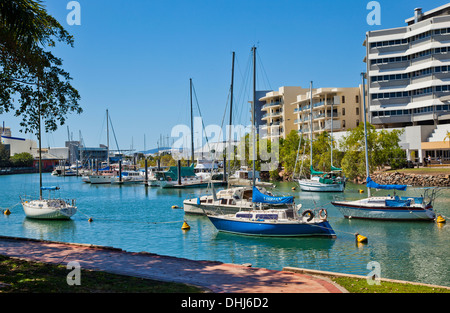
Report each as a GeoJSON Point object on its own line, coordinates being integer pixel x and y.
{"type": "Point", "coordinates": [383, 149]}
{"type": "Point", "coordinates": [30, 75]}
{"type": "Point", "coordinates": [23, 159]}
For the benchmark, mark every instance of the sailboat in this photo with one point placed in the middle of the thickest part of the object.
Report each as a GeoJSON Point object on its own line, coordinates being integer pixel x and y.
{"type": "Point", "coordinates": [50, 208]}
{"type": "Point", "coordinates": [271, 216]}
{"type": "Point", "coordinates": [320, 181]}
{"type": "Point", "coordinates": [387, 207]}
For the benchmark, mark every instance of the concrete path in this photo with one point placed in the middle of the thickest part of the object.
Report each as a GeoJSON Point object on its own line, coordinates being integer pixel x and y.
{"type": "Point", "coordinates": [215, 276]}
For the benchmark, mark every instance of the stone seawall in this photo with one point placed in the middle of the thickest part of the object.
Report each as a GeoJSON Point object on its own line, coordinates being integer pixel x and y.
{"type": "Point", "coordinates": [421, 180]}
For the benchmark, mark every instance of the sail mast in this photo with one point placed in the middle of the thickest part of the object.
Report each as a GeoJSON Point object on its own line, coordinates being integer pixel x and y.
{"type": "Point", "coordinates": [365, 130]}
{"type": "Point", "coordinates": [107, 137]}
{"type": "Point", "coordinates": [231, 115]}
{"type": "Point", "coordinates": [39, 139]}
{"type": "Point", "coordinates": [192, 124]}
{"type": "Point", "coordinates": [311, 126]}
{"type": "Point", "coordinates": [253, 114]}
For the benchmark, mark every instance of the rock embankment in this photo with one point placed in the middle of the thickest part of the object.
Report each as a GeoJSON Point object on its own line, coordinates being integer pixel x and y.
{"type": "Point", "coordinates": [422, 180]}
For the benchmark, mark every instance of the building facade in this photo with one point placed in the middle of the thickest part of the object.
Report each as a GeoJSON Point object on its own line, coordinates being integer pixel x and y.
{"type": "Point", "coordinates": [340, 108]}
{"type": "Point", "coordinates": [278, 113]}
{"type": "Point", "coordinates": [408, 77]}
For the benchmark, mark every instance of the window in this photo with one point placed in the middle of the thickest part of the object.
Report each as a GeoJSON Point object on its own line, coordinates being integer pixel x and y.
{"type": "Point", "coordinates": [343, 99]}
{"type": "Point", "coordinates": [343, 111]}
{"type": "Point", "coordinates": [357, 111]}
{"type": "Point", "coordinates": [357, 99]}
{"type": "Point", "coordinates": [343, 123]}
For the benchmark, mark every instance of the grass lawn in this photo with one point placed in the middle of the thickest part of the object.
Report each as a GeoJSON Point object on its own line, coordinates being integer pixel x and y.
{"type": "Point", "coordinates": [18, 276]}
{"type": "Point", "coordinates": [356, 285]}
{"type": "Point", "coordinates": [423, 170]}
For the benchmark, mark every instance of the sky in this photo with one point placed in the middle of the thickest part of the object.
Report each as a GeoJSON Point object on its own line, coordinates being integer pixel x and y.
{"type": "Point", "coordinates": [135, 59]}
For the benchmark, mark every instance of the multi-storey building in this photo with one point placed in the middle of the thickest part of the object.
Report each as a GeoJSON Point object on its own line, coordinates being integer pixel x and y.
{"type": "Point", "coordinates": [409, 71]}
{"type": "Point", "coordinates": [278, 113]}
{"type": "Point", "coordinates": [408, 76]}
{"type": "Point", "coordinates": [339, 108]}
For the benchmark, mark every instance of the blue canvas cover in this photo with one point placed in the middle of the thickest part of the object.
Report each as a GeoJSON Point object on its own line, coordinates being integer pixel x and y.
{"type": "Point", "coordinates": [259, 197]}
{"type": "Point", "coordinates": [50, 188]}
{"type": "Point", "coordinates": [372, 184]}
{"type": "Point", "coordinates": [398, 203]}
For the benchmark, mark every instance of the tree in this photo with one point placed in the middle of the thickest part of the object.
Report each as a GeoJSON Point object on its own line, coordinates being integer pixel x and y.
{"type": "Point", "coordinates": [30, 75]}
{"type": "Point", "coordinates": [383, 148]}
{"type": "Point", "coordinates": [23, 159]}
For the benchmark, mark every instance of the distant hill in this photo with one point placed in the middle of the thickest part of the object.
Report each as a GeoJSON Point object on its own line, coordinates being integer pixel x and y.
{"type": "Point", "coordinates": [153, 151]}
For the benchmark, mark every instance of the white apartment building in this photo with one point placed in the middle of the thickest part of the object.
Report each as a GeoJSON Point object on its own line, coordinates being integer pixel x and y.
{"type": "Point", "coordinates": [409, 71]}
{"type": "Point", "coordinates": [408, 77]}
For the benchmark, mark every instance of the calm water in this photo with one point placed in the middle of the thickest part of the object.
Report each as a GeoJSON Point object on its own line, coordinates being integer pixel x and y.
{"type": "Point", "coordinates": [135, 218]}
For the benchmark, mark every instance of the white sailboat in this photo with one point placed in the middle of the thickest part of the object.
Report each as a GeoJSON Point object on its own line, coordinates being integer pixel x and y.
{"type": "Point", "coordinates": [387, 207]}
{"type": "Point", "coordinates": [50, 208]}
{"type": "Point", "coordinates": [320, 181]}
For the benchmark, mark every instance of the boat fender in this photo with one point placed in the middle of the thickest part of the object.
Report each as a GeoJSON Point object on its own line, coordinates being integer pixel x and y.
{"type": "Point", "coordinates": [323, 214]}
{"type": "Point", "coordinates": [311, 215]}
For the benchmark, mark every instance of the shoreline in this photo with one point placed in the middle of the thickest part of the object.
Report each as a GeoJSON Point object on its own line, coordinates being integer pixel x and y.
{"type": "Point", "coordinates": [217, 274]}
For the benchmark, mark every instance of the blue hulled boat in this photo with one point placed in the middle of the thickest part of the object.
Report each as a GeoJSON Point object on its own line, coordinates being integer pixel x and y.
{"type": "Point", "coordinates": [275, 222]}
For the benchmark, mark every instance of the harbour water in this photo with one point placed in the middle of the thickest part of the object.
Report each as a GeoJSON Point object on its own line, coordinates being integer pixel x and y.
{"type": "Point", "coordinates": [137, 218]}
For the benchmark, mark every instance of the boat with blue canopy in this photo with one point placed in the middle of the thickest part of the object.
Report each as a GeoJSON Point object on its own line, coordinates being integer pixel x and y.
{"type": "Point", "coordinates": [387, 207]}
{"type": "Point", "coordinates": [274, 222]}
{"type": "Point", "coordinates": [271, 215]}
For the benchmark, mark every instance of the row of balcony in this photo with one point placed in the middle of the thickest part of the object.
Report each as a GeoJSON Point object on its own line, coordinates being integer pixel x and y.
{"type": "Point", "coordinates": [274, 114]}
{"type": "Point", "coordinates": [315, 105]}
{"type": "Point", "coordinates": [273, 104]}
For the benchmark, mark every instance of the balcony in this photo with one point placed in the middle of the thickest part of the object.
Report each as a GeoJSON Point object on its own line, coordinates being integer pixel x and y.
{"type": "Point", "coordinates": [274, 104]}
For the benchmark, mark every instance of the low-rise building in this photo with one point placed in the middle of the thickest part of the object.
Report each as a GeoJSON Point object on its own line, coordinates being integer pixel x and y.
{"type": "Point", "coordinates": [337, 108]}
{"type": "Point", "coordinates": [278, 113]}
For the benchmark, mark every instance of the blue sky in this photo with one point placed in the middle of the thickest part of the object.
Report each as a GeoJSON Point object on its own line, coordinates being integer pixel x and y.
{"type": "Point", "coordinates": [135, 58]}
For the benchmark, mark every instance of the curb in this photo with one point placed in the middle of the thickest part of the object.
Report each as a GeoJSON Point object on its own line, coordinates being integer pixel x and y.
{"type": "Point", "coordinates": [331, 274]}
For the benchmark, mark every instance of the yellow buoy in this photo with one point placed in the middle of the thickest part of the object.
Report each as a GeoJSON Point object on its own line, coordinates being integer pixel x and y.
{"type": "Point", "coordinates": [185, 226]}
{"type": "Point", "coordinates": [361, 191]}
{"type": "Point", "coordinates": [174, 206]}
{"type": "Point", "coordinates": [360, 238]}
{"type": "Point", "coordinates": [7, 212]}
{"type": "Point", "coordinates": [293, 188]}
{"type": "Point", "coordinates": [440, 219]}
{"type": "Point", "coordinates": [90, 219]}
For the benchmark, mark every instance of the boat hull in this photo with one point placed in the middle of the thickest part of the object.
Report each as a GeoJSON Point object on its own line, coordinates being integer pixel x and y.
{"type": "Point", "coordinates": [272, 229]}
{"type": "Point", "coordinates": [312, 185]}
{"type": "Point", "coordinates": [39, 210]}
{"type": "Point", "coordinates": [361, 211]}
{"type": "Point", "coordinates": [100, 179]}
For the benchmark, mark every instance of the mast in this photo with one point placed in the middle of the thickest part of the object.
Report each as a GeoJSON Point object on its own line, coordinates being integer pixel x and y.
{"type": "Point", "coordinates": [253, 114]}
{"type": "Point", "coordinates": [331, 135]}
{"type": "Point", "coordinates": [231, 114]}
{"type": "Point", "coordinates": [365, 130]}
{"type": "Point", "coordinates": [192, 124]}
{"type": "Point", "coordinates": [107, 137]}
{"type": "Point", "coordinates": [39, 140]}
{"type": "Point", "coordinates": [311, 126]}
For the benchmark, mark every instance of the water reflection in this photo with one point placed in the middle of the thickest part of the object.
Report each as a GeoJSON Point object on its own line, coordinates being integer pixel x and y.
{"type": "Point", "coordinates": [59, 230]}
